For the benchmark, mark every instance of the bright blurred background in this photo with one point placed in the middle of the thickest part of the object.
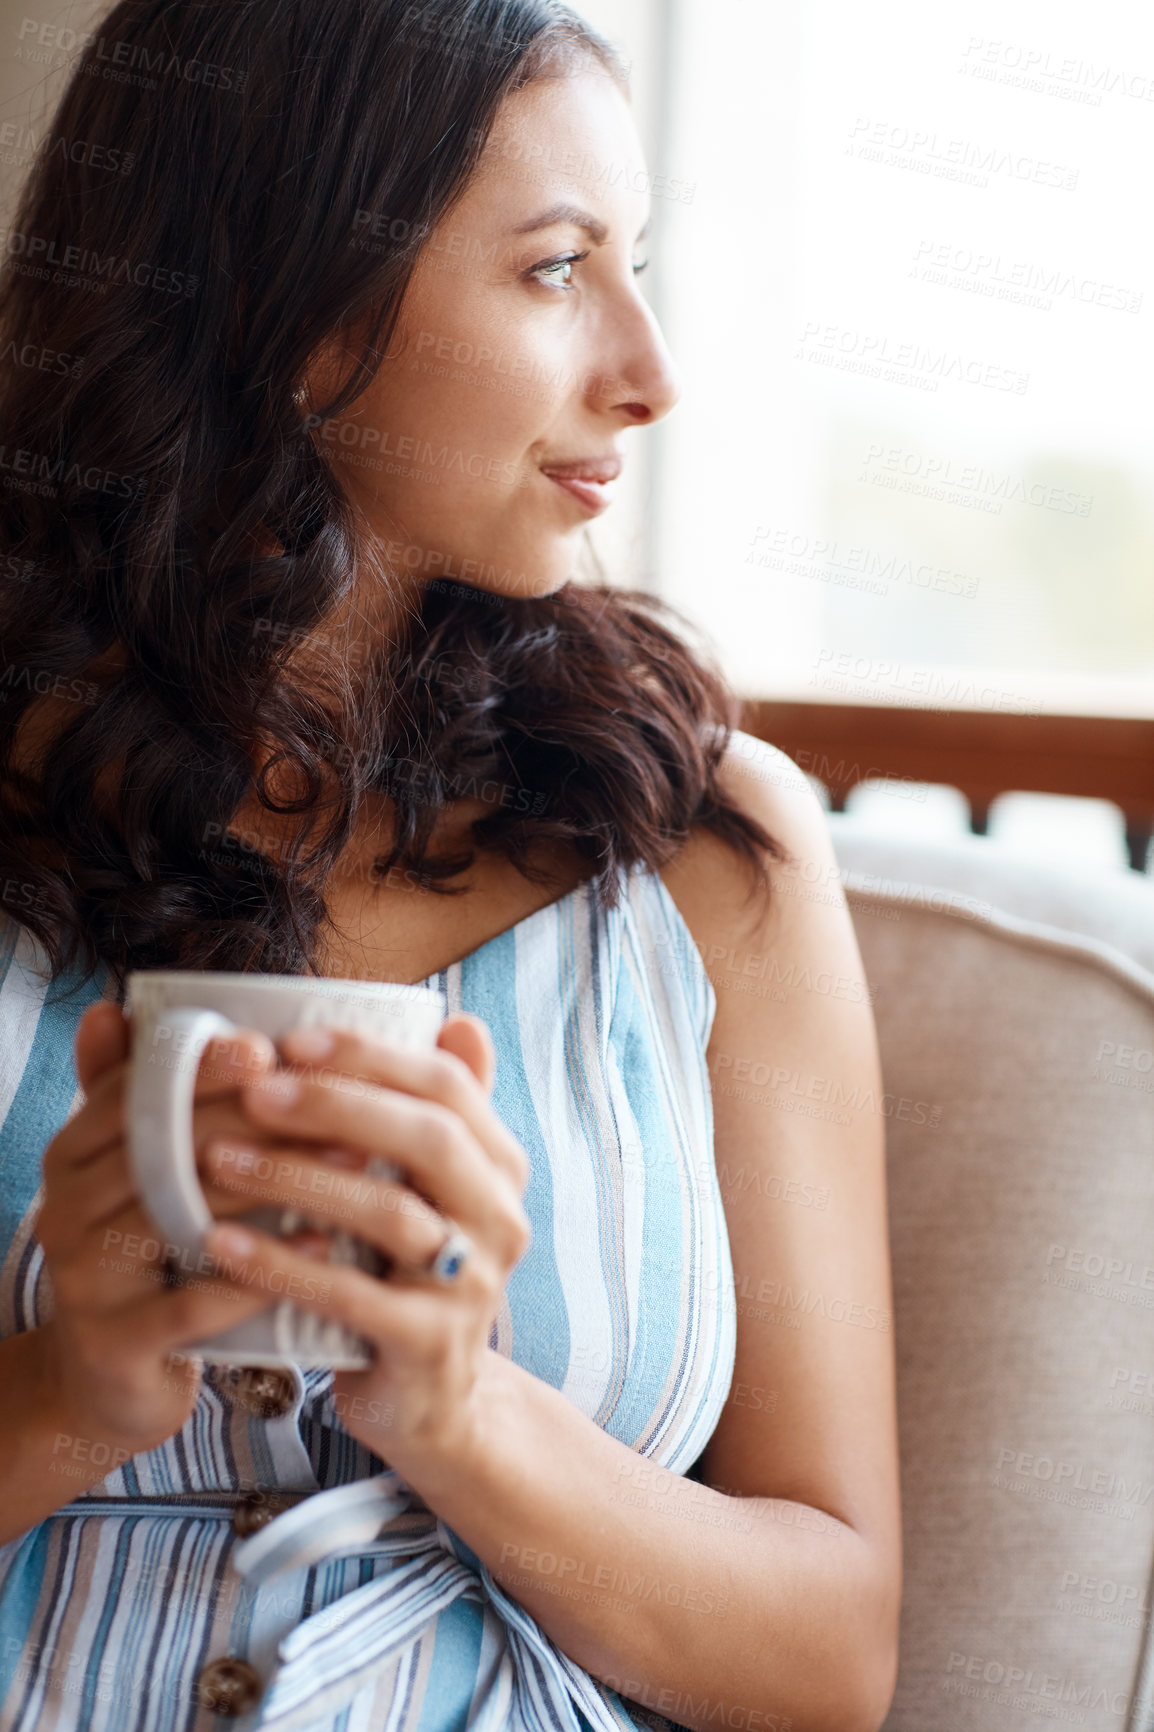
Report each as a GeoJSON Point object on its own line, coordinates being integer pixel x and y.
{"type": "Point", "coordinates": [912, 302]}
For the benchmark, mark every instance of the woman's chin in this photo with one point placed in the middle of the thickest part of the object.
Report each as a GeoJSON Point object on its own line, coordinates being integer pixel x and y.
{"type": "Point", "coordinates": [537, 585]}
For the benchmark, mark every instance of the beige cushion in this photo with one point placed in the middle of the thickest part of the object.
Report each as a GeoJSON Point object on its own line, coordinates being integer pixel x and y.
{"type": "Point", "coordinates": [1015, 1008]}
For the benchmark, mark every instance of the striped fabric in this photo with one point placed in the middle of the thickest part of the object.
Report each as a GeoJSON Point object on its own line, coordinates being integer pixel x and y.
{"type": "Point", "coordinates": [111, 1608]}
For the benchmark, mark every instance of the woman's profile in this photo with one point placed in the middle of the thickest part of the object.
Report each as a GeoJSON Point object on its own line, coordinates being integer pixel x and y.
{"type": "Point", "coordinates": [324, 342]}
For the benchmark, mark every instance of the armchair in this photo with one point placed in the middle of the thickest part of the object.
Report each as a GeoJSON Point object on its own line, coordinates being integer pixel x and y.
{"type": "Point", "coordinates": [1015, 1009]}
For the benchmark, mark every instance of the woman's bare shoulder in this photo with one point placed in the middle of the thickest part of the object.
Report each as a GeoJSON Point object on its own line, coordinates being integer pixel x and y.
{"type": "Point", "coordinates": [712, 884]}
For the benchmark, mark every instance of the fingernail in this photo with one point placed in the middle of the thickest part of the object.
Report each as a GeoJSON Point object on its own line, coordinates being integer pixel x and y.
{"type": "Point", "coordinates": [310, 1042]}
{"type": "Point", "coordinates": [317, 1250]}
{"type": "Point", "coordinates": [341, 1158]}
{"type": "Point", "coordinates": [230, 1154]}
{"type": "Point", "coordinates": [231, 1242]}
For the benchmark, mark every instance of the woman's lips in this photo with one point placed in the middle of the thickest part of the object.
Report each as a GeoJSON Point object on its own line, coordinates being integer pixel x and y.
{"type": "Point", "coordinates": [595, 496]}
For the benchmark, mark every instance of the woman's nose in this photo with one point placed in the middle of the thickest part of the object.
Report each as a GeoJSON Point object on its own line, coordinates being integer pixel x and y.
{"type": "Point", "coordinates": [650, 385]}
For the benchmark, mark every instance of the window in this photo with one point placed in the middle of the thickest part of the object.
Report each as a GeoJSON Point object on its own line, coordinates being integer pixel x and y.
{"type": "Point", "coordinates": [911, 300]}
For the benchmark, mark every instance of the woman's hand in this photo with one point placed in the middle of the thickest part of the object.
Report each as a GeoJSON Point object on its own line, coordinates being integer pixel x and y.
{"type": "Point", "coordinates": [104, 1355]}
{"type": "Point", "coordinates": [430, 1113]}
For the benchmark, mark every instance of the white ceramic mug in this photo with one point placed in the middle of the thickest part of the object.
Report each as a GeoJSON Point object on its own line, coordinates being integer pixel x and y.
{"type": "Point", "coordinates": [173, 1015]}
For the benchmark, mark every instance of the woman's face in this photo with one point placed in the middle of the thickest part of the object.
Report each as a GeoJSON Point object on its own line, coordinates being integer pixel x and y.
{"type": "Point", "coordinates": [508, 360]}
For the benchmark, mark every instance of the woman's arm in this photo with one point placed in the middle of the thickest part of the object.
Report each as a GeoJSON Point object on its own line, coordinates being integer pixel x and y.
{"type": "Point", "coordinates": [715, 1609]}
{"type": "Point", "coordinates": [776, 1597]}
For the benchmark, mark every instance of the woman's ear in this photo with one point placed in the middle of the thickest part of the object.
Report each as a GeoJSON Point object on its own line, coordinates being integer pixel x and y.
{"type": "Point", "coordinates": [330, 366]}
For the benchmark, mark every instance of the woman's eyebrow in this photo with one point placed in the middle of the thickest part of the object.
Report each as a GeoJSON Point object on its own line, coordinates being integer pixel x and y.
{"type": "Point", "coordinates": [571, 213]}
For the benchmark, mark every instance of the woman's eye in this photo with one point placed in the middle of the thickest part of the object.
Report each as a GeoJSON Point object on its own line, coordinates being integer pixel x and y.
{"type": "Point", "coordinates": [560, 271]}
{"type": "Point", "coordinates": [552, 266]}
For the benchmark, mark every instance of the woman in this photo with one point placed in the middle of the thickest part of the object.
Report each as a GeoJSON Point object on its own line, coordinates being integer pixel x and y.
{"type": "Point", "coordinates": [300, 683]}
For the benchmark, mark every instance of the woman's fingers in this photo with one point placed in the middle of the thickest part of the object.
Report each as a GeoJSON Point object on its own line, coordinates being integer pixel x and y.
{"type": "Point", "coordinates": [358, 1068]}
{"type": "Point", "coordinates": [441, 1075]}
{"type": "Point", "coordinates": [105, 1187]}
{"type": "Point", "coordinates": [102, 1037]}
{"type": "Point", "coordinates": [115, 1260]}
{"type": "Point", "coordinates": [441, 1159]}
{"type": "Point", "coordinates": [469, 1039]}
{"type": "Point", "coordinates": [349, 1196]}
{"type": "Point", "coordinates": [376, 1309]}
{"type": "Point", "coordinates": [102, 1190]}
{"type": "Point", "coordinates": [102, 1266]}
{"type": "Point", "coordinates": [207, 1305]}
{"type": "Point", "coordinates": [101, 1185]}
{"type": "Point", "coordinates": [226, 1065]}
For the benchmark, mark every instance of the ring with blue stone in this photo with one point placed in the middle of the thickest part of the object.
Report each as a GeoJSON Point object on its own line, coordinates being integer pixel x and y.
{"type": "Point", "coordinates": [447, 1264]}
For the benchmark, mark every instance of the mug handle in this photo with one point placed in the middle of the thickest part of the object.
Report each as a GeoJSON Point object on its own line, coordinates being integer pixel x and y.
{"type": "Point", "coordinates": [160, 1146]}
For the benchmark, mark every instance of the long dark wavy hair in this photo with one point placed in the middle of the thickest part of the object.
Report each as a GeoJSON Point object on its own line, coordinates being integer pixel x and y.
{"type": "Point", "coordinates": [225, 185]}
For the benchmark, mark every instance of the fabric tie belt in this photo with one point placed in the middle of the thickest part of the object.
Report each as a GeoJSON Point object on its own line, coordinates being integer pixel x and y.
{"type": "Point", "coordinates": [333, 1654]}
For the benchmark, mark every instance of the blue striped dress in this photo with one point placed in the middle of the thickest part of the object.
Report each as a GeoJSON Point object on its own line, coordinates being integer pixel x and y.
{"type": "Point", "coordinates": [111, 1608]}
